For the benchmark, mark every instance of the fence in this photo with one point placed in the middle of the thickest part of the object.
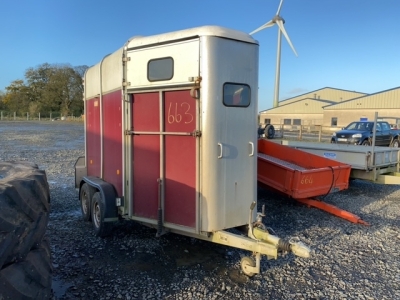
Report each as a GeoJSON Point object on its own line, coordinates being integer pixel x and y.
{"type": "Point", "coordinates": [50, 116]}
{"type": "Point", "coordinates": [310, 133]}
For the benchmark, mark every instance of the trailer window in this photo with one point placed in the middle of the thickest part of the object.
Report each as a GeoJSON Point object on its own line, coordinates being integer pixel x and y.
{"type": "Point", "coordinates": [160, 69]}
{"type": "Point", "coordinates": [236, 94]}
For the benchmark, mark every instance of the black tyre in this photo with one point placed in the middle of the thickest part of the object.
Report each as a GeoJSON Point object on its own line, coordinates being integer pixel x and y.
{"type": "Point", "coordinates": [24, 214]}
{"type": "Point", "coordinates": [366, 143]}
{"type": "Point", "coordinates": [395, 143]}
{"type": "Point", "coordinates": [270, 131]}
{"type": "Point", "coordinates": [100, 227]}
{"type": "Point", "coordinates": [85, 197]}
{"type": "Point", "coordinates": [29, 278]}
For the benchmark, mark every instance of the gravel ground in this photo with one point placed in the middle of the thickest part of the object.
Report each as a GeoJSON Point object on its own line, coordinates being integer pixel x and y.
{"type": "Point", "coordinates": [348, 261]}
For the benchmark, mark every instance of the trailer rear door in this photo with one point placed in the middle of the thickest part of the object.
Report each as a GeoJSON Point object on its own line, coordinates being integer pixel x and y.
{"type": "Point", "coordinates": [164, 150]}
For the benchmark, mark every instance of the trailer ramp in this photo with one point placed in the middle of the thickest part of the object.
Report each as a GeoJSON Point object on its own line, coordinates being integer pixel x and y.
{"type": "Point", "coordinates": [303, 176]}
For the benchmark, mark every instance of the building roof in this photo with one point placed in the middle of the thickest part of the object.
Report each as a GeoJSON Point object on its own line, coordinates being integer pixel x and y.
{"type": "Point", "coordinates": [383, 99]}
{"type": "Point", "coordinates": [307, 105]}
{"type": "Point", "coordinates": [333, 94]}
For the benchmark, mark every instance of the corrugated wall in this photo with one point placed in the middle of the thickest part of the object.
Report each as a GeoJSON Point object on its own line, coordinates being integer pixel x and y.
{"type": "Point", "coordinates": [335, 95]}
{"type": "Point", "coordinates": [383, 100]}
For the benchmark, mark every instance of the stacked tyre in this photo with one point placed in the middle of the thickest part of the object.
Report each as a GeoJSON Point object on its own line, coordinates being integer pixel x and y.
{"type": "Point", "coordinates": [25, 258]}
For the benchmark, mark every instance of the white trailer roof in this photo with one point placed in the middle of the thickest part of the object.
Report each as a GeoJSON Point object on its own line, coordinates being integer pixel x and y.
{"type": "Point", "coordinates": [139, 41]}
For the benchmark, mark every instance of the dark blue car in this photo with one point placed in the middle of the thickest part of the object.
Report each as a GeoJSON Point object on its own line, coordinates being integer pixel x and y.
{"type": "Point", "coordinates": [360, 133]}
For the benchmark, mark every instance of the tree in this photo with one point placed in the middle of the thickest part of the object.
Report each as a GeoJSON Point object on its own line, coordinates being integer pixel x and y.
{"type": "Point", "coordinates": [16, 98]}
{"type": "Point", "coordinates": [64, 91]}
{"type": "Point", "coordinates": [56, 88]}
{"type": "Point", "coordinates": [2, 104]}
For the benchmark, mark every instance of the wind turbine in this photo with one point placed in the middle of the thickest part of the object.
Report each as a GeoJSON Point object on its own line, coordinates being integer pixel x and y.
{"type": "Point", "coordinates": [278, 20]}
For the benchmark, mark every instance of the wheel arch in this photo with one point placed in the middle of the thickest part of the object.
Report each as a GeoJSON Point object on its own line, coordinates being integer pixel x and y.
{"type": "Point", "coordinates": [108, 193]}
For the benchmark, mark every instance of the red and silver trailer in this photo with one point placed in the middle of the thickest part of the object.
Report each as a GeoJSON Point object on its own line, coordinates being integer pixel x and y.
{"type": "Point", "coordinates": [170, 140]}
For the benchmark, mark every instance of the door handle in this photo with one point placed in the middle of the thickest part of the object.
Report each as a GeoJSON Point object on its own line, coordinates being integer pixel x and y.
{"type": "Point", "coordinates": [252, 149]}
{"type": "Point", "coordinates": [220, 150]}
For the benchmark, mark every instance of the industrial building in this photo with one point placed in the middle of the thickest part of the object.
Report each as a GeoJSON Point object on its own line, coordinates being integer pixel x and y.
{"type": "Point", "coordinates": [333, 108]}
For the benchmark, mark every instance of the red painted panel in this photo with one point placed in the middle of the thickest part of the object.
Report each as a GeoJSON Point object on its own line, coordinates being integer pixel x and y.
{"type": "Point", "coordinates": [180, 159]}
{"type": "Point", "coordinates": [146, 154]}
{"type": "Point", "coordinates": [92, 119]}
{"type": "Point", "coordinates": [112, 140]}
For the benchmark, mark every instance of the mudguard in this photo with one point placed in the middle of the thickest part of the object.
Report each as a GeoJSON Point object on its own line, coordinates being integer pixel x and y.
{"type": "Point", "coordinates": [108, 194]}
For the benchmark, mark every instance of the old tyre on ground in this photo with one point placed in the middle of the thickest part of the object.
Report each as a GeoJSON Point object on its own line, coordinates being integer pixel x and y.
{"type": "Point", "coordinates": [25, 260]}
{"type": "Point", "coordinates": [270, 131]}
{"type": "Point", "coordinates": [86, 195]}
{"type": "Point", "coordinates": [101, 228]}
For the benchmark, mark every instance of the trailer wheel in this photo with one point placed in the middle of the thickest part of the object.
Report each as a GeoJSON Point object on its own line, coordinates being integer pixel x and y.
{"type": "Point", "coordinates": [246, 262]}
{"type": "Point", "coordinates": [85, 196]}
{"type": "Point", "coordinates": [270, 131]}
{"type": "Point", "coordinates": [101, 228]}
{"type": "Point", "coordinates": [395, 143]}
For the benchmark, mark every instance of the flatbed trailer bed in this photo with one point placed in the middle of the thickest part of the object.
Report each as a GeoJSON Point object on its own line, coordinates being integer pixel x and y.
{"type": "Point", "coordinates": [377, 164]}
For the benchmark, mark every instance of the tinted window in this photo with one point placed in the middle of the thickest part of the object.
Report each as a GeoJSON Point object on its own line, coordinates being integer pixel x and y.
{"type": "Point", "coordinates": [360, 126]}
{"type": "Point", "coordinates": [235, 94]}
{"type": "Point", "coordinates": [385, 126]}
{"type": "Point", "coordinates": [160, 69]}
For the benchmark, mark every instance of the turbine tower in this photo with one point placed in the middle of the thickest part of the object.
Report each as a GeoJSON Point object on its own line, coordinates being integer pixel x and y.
{"type": "Point", "coordinates": [278, 20]}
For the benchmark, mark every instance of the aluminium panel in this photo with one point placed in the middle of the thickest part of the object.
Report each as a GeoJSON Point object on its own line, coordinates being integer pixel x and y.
{"type": "Point", "coordinates": [92, 82]}
{"type": "Point", "coordinates": [229, 142]}
{"type": "Point", "coordinates": [112, 72]}
{"type": "Point", "coordinates": [185, 56]}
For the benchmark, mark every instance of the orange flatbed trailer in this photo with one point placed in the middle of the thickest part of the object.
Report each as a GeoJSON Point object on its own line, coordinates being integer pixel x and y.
{"type": "Point", "coordinates": [303, 176]}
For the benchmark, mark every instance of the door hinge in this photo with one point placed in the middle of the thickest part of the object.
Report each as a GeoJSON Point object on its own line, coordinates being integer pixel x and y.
{"type": "Point", "coordinates": [128, 132]}
{"type": "Point", "coordinates": [196, 133]}
{"type": "Point", "coordinates": [195, 90]}
{"type": "Point", "coordinates": [124, 83]}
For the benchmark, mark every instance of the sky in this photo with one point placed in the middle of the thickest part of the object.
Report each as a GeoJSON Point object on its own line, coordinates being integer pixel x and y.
{"type": "Point", "coordinates": [346, 44]}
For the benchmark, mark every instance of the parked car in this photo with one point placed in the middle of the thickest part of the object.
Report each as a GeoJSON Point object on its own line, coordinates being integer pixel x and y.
{"type": "Point", "coordinates": [361, 132]}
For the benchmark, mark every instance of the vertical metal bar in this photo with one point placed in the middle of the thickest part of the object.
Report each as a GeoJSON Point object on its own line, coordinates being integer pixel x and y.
{"type": "Point", "coordinates": [373, 143]}
{"type": "Point", "coordinates": [162, 158]}
{"type": "Point", "coordinates": [160, 210]}
{"type": "Point", "coordinates": [101, 119]}
{"type": "Point", "coordinates": [127, 140]}
{"type": "Point", "coordinates": [85, 118]}
{"type": "Point", "coordinates": [320, 133]}
{"type": "Point", "coordinates": [301, 132]}
{"type": "Point", "coordinates": [198, 164]}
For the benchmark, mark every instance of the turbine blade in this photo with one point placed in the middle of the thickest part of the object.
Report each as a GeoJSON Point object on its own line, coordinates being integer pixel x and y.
{"type": "Point", "coordinates": [279, 8]}
{"type": "Point", "coordinates": [282, 29]}
{"type": "Point", "coordinates": [266, 25]}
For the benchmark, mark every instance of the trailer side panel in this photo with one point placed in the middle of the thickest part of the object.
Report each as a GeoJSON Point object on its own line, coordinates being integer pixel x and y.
{"type": "Point", "coordinates": [93, 139]}
{"type": "Point", "coordinates": [112, 139]}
